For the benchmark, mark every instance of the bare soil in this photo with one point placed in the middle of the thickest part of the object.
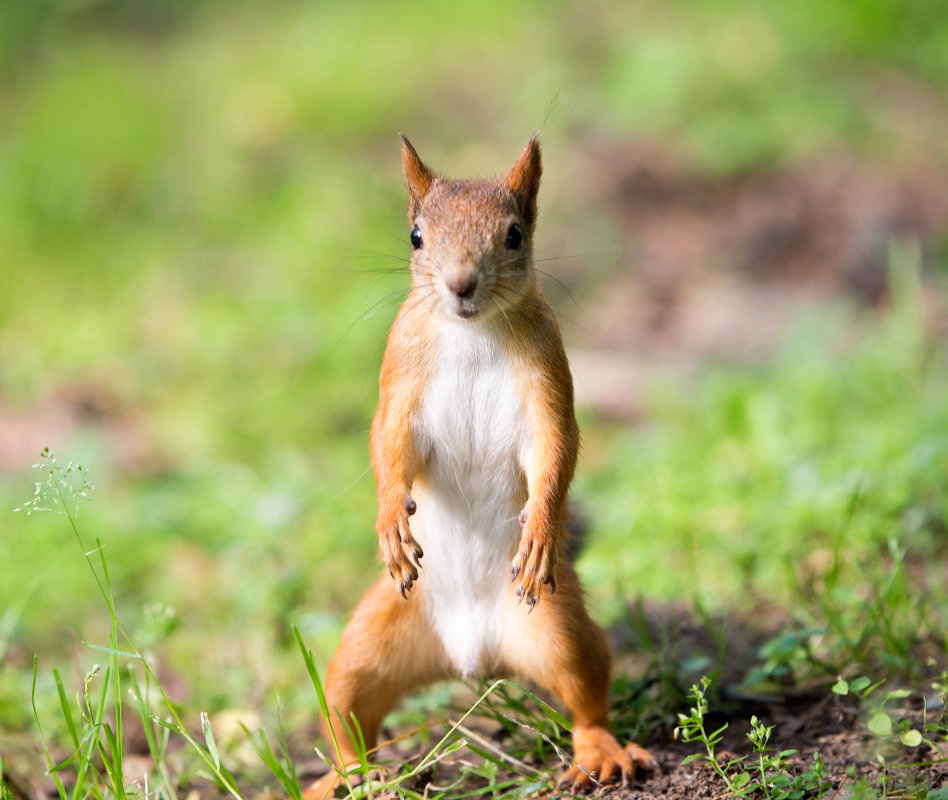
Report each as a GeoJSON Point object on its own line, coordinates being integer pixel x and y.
{"type": "Point", "coordinates": [818, 723]}
{"type": "Point", "coordinates": [719, 268]}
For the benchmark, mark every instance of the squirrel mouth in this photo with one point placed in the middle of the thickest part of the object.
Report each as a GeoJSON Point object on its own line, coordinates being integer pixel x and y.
{"type": "Point", "coordinates": [465, 312]}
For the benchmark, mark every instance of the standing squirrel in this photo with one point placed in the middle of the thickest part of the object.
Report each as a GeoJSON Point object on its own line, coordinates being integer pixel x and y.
{"type": "Point", "coordinates": [474, 444]}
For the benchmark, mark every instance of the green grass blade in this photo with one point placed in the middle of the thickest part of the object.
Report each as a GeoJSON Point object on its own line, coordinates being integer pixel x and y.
{"type": "Point", "coordinates": [323, 702]}
{"type": "Point", "coordinates": [110, 600]}
{"type": "Point", "coordinates": [111, 753]}
{"type": "Point", "coordinates": [5, 792]}
{"type": "Point", "coordinates": [118, 746]}
{"type": "Point", "coordinates": [66, 709]}
{"type": "Point", "coordinates": [294, 791]}
{"type": "Point", "coordinates": [60, 789]}
{"type": "Point", "coordinates": [153, 717]}
{"type": "Point", "coordinates": [112, 651]}
{"type": "Point", "coordinates": [135, 693]}
{"type": "Point", "coordinates": [313, 672]}
{"type": "Point", "coordinates": [286, 775]}
{"type": "Point", "coordinates": [209, 740]}
{"type": "Point", "coordinates": [155, 737]}
{"type": "Point", "coordinates": [551, 712]}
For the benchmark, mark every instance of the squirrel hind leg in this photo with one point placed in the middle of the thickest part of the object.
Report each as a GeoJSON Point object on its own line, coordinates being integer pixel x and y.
{"type": "Point", "coordinates": [387, 650]}
{"type": "Point", "coordinates": [559, 648]}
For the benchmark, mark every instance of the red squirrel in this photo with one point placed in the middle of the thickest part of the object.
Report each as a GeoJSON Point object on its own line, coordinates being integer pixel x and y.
{"type": "Point", "coordinates": [473, 445]}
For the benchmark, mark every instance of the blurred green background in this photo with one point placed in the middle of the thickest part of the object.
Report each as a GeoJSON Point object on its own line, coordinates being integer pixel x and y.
{"type": "Point", "coordinates": [201, 227]}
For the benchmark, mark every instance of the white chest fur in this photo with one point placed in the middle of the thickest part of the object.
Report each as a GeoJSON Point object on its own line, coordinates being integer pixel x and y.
{"type": "Point", "coordinates": [471, 431]}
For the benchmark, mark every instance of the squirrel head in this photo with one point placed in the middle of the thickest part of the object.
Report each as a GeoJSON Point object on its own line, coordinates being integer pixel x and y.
{"type": "Point", "coordinates": [472, 240]}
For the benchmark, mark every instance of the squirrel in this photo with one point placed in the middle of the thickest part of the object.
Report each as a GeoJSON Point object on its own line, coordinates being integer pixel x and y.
{"type": "Point", "coordinates": [474, 445]}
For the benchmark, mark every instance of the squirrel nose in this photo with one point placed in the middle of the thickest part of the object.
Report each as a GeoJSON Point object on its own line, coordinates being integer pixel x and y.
{"type": "Point", "coordinates": [463, 287]}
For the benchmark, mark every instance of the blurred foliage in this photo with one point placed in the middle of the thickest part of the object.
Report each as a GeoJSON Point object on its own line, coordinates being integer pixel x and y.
{"type": "Point", "coordinates": [753, 483]}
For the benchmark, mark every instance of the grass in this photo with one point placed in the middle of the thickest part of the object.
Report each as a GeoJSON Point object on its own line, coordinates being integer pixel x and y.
{"type": "Point", "coordinates": [868, 612]}
{"type": "Point", "coordinates": [201, 215]}
{"type": "Point", "coordinates": [827, 454]}
{"type": "Point", "coordinates": [95, 719]}
{"type": "Point", "coordinates": [97, 738]}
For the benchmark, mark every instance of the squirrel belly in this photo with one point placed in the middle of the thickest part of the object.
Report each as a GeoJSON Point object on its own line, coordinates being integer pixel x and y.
{"type": "Point", "coordinates": [471, 434]}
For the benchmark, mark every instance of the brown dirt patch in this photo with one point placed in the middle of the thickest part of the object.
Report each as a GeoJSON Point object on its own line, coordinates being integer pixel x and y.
{"type": "Point", "coordinates": [718, 267]}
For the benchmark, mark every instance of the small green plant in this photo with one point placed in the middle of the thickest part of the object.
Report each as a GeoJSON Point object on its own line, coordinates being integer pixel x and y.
{"type": "Point", "coordinates": [882, 720]}
{"type": "Point", "coordinates": [775, 780]}
{"type": "Point", "coordinates": [771, 776]}
{"type": "Point", "coordinates": [691, 728]}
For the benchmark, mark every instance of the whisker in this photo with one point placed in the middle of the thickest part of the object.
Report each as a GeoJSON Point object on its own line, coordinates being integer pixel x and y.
{"type": "Point", "coordinates": [558, 258]}
{"type": "Point", "coordinates": [366, 254]}
{"type": "Point", "coordinates": [380, 304]}
{"type": "Point", "coordinates": [500, 308]}
{"type": "Point", "coordinates": [543, 272]}
{"type": "Point", "coordinates": [563, 286]}
{"type": "Point", "coordinates": [359, 478]}
{"type": "Point", "coordinates": [377, 254]}
{"type": "Point", "coordinates": [511, 260]}
{"type": "Point", "coordinates": [381, 271]}
{"type": "Point", "coordinates": [506, 288]}
{"type": "Point", "coordinates": [423, 296]}
{"type": "Point", "coordinates": [396, 237]}
{"type": "Point", "coordinates": [570, 320]}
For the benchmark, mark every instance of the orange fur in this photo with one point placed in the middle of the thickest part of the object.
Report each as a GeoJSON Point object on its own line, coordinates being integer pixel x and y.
{"type": "Point", "coordinates": [473, 267]}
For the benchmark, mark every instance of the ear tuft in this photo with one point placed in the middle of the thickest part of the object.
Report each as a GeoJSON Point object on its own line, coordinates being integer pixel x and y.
{"type": "Point", "coordinates": [524, 180]}
{"type": "Point", "coordinates": [418, 177]}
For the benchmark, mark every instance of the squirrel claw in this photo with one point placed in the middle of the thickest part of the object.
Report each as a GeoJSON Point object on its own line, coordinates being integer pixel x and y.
{"type": "Point", "coordinates": [534, 568]}
{"type": "Point", "coordinates": [404, 574]}
{"type": "Point", "coordinates": [401, 553]}
{"type": "Point", "coordinates": [407, 582]}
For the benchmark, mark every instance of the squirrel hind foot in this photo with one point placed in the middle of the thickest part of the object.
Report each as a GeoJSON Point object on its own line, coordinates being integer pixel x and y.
{"type": "Point", "coordinates": [604, 767]}
{"type": "Point", "coordinates": [324, 788]}
{"type": "Point", "coordinates": [328, 785]}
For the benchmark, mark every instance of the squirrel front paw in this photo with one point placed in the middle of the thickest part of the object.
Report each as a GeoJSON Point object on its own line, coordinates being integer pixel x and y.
{"type": "Point", "coordinates": [533, 567]}
{"type": "Point", "coordinates": [401, 553]}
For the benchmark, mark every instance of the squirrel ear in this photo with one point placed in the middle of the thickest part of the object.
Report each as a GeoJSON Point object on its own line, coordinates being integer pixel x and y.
{"type": "Point", "coordinates": [418, 177]}
{"type": "Point", "coordinates": [524, 180]}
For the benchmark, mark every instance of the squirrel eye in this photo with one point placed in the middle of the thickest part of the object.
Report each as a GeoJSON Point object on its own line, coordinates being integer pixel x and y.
{"type": "Point", "coordinates": [416, 240]}
{"type": "Point", "coordinates": [514, 237]}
